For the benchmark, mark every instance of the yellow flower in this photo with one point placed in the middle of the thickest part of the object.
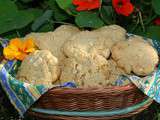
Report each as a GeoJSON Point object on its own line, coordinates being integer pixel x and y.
{"type": "Point", "coordinates": [18, 49]}
{"type": "Point", "coordinates": [20, 56]}
{"type": "Point", "coordinates": [10, 52]}
{"type": "Point", "coordinates": [16, 42]}
{"type": "Point", "coordinates": [28, 46]}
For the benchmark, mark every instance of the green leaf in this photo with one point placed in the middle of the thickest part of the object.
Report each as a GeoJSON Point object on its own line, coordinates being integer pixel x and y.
{"type": "Point", "coordinates": [42, 20]}
{"type": "Point", "coordinates": [26, 1]}
{"type": "Point", "coordinates": [156, 6]}
{"type": "Point", "coordinates": [10, 35]}
{"type": "Point", "coordinates": [58, 13]}
{"type": "Point", "coordinates": [64, 4]}
{"type": "Point", "coordinates": [107, 14]}
{"type": "Point", "coordinates": [88, 19]}
{"type": "Point", "coordinates": [7, 6]}
{"type": "Point", "coordinates": [153, 32]}
{"type": "Point", "coordinates": [14, 20]}
{"type": "Point", "coordinates": [72, 10]}
{"type": "Point", "coordinates": [46, 28]}
{"type": "Point", "coordinates": [36, 12]}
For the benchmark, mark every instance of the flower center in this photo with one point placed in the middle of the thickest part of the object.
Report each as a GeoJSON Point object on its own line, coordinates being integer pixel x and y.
{"type": "Point", "coordinates": [120, 4]}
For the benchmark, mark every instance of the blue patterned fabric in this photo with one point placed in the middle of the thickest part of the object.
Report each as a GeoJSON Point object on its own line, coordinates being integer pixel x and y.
{"type": "Point", "coordinates": [149, 85]}
{"type": "Point", "coordinates": [22, 95]}
{"type": "Point", "coordinates": [156, 44]}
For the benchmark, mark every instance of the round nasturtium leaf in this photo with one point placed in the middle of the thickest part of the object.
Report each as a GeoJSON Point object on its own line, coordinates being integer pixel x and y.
{"type": "Point", "coordinates": [42, 20]}
{"type": "Point", "coordinates": [14, 20]}
{"type": "Point", "coordinates": [156, 6]}
{"type": "Point", "coordinates": [64, 4]}
{"type": "Point", "coordinates": [7, 6]}
{"type": "Point", "coordinates": [88, 19]}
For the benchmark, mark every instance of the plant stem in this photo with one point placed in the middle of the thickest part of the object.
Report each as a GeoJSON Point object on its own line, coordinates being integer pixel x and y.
{"type": "Point", "coordinates": [65, 23]}
{"type": "Point", "coordinates": [141, 20]}
{"type": "Point", "coordinates": [150, 20]}
{"type": "Point", "coordinates": [18, 34]}
{"type": "Point", "coordinates": [133, 29]}
{"type": "Point", "coordinates": [146, 3]}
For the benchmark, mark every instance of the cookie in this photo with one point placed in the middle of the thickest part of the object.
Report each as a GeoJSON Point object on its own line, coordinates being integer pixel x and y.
{"type": "Point", "coordinates": [85, 74]}
{"type": "Point", "coordinates": [135, 55]}
{"type": "Point", "coordinates": [87, 42]}
{"type": "Point", "coordinates": [91, 72]}
{"type": "Point", "coordinates": [40, 67]}
{"type": "Point", "coordinates": [53, 41]}
{"type": "Point", "coordinates": [114, 32]}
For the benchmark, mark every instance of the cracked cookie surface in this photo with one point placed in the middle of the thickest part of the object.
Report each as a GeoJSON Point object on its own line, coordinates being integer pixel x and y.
{"type": "Point", "coordinates": [135, 55]}
{"type": "Point", "coordinates": [40, 67]}
{"type": "Point", "coordinates": [53, 41]}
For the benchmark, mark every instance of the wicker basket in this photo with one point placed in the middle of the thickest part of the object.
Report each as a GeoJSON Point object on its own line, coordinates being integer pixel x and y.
{"type": "Point", "coordinates": [90, 104]}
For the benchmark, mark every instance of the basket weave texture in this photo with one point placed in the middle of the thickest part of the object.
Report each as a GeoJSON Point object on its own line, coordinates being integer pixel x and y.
{"type": "Point", "coordinates": [73, 99]}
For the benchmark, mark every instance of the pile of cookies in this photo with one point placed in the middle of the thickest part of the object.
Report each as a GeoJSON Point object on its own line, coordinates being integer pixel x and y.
{"type": "Point", "coordinates": [89, 58]}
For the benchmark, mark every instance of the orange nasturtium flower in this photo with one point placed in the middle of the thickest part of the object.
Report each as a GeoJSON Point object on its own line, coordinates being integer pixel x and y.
{"type": "Point", "coordinates": [123, 7]}
{"type": "Point", "coordinates": [86, 4]}
{"type": "Point", "coordinates": [18, 49]}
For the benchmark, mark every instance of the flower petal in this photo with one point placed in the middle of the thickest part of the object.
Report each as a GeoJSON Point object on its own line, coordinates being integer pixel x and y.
{"type": "Point", "coordinates": [21, 56]}
{"type": "Point", "coordinates": [28, 46]}
{"type": "Point", "coordinates": [77, 2]}
{"type": "Point", "coordinates": [125, 9]}
{"type": "Point", "coordinates": [125, 1]}
{"type": "Point", "coordinates": [86, 4]}
{"type": "Point", "coordinates": [16, 42]}
{"type": "Point", "coordinates": [10, 52]}
{"type": "Point", "coordinates": [30, 50]}
{"type": "Point", "coordinates": [115, 3]}
{"type": "Point", "coordinates": [157, 21]}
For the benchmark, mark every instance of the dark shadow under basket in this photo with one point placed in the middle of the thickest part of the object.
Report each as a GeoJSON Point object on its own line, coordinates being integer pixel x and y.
{"type": "Point", "coordinates": [90, 104]}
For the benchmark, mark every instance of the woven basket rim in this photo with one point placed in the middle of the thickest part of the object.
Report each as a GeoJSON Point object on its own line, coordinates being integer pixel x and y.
{"type": "Point", "coordinates": [109, 89]}
{"type": "Point", "coordinates": [93, 113]}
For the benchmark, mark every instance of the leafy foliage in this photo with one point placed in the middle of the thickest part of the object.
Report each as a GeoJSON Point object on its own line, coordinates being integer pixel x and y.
{"type": "Point", "coordinates": [42, 20]}
{"type": "Point", "coordinates": [12, 21]}
{"type": "Point", "coordinates": [64, 4]}
{"type": "Point", "coordinates": [156, 6]}
{"type": "Point", "coordinates": [58, 13]}
{"type": "Point", "coordinates": [88, 19]}
{"type": "Point", "coordinates": [19, 17]}
{"type": "Point", "coordinates": [107, 14]}
{"type": "Point", "coordinates": [153, 32]}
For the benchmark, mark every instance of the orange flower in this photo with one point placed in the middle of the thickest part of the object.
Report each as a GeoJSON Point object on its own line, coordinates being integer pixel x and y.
{"type": "Point", "coordinates": [123, 7]}
{"type": "Point", "coordinates": [10, 52]}
{"type": "Point", "coordinates": [18, 49]}
{"type": "Point", "coordinates": [86, 4]}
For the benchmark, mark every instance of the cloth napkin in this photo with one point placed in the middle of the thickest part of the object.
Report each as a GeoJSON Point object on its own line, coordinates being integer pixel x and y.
{"type": "Point", "coordinates": [22, 95]}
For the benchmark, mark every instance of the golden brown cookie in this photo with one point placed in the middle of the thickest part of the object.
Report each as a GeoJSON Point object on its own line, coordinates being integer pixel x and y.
{"type": "Point", "coordinates": [40, 67]}
{"type": "Point", "coordinates": [113, 32]}
{"type": "Point", "coordinates": [85, 73]}
{"type": "Point", "coordinates": [92, 71]}
{"type": "Point", "coordinates": [135, 55]}
{"type": "Point", "coordinates": [87, 42]}
{"type": "Point", "coordinates": [53, 41]}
